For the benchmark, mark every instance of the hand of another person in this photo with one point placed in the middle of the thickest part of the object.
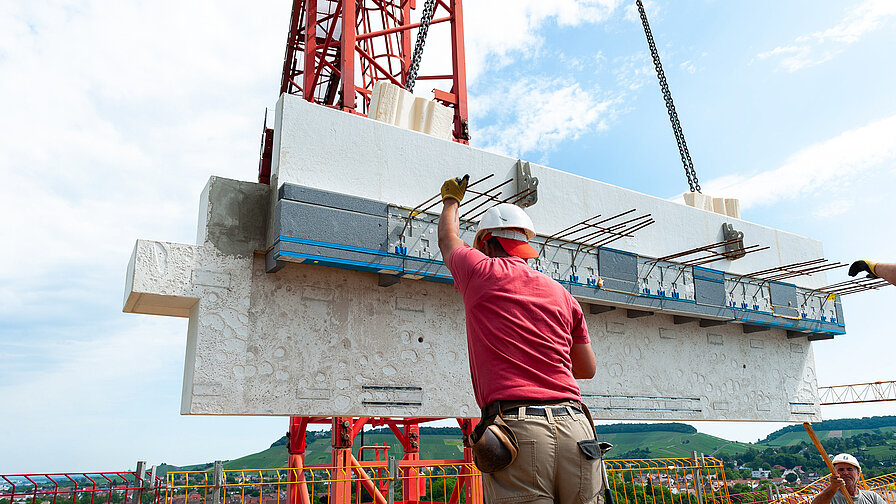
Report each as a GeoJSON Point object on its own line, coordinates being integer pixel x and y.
{"type": "Point", "coordinates": [863, 265]}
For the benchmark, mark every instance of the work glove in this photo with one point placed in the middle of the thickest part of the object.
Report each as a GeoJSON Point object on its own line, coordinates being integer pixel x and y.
{"type": "Point", "coordinates": [863, 265]}
{"type": "Point", "coordinates": [455, 188]}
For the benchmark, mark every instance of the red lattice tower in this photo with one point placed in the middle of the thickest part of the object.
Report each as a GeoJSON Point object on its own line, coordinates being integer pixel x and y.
{"type": "Point", "coordinates": [323, 61]}
{"type": "Point", "coordinates": [381, 47]}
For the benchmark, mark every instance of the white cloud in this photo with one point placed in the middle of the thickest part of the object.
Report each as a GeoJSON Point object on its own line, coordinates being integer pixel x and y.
{"type": "Point", "coordinates": [633, 72]}
{"type": "Point", "coordinates": [818, 47]}
{"type": "Point", "coordinates": [832, 208]}
{"type": "Point", "coordinates": [111, 104]}
{"type": "Point", "coordinates": [114, 115]}
{"type": "Point", "coordinates": [835, 163]}
{"type": "Point", "coordinates": [499, 31]}
{"type": "Point", "coordinates": [541, 114]}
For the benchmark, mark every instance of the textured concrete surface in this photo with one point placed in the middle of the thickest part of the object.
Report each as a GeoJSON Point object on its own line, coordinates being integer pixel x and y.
{"type": "Point", "coordinates": [313, 340]}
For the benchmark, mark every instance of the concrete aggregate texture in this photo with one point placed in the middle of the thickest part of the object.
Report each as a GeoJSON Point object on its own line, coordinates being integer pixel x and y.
{"type": "Point", "coordinates": [313, 340]}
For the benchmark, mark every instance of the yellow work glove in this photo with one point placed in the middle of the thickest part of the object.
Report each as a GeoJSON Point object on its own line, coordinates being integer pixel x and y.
{"type": "Point", "coordinates": [455, 188]}
{"type": "Point", "coordinates": [863, 265]}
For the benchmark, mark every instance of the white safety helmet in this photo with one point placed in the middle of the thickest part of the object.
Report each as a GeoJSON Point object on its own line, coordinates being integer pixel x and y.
{"type": "Point", "coordinates": [845, 458]}
{"type": "Point", "coordinates": [511, 226]}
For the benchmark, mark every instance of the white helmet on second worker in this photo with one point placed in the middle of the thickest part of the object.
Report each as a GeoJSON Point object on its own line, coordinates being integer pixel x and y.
{"type": "Point", "coordinates": [511, 226]}
{"type": "Point", "coordinates": [845, 458]}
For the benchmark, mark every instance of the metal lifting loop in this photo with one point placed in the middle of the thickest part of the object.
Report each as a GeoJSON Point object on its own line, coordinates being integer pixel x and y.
{"type": "Point", "coordinates": [425, 20]}
{"type": "Point", "coordinates": [693, 183]}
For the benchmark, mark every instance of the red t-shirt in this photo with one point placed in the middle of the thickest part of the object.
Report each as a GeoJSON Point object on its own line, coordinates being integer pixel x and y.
{"type": "Point", "coordinates": [521, 325]}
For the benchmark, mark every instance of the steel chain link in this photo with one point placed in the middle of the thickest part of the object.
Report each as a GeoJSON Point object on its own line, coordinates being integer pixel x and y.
{"type": "Point", "coordinates": [689, 171]}
{"type": "Point", "coordinates": [425, 20]}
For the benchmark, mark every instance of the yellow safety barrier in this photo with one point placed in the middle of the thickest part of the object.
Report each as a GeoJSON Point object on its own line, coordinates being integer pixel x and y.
{"type": "Point", "coordinates": [648, 481]}
{"type": "Point", "coordinates": [668, 481]}
{"type": "Point", "coordinates": [698, 480]}
{"type": "Point", "coordinates": [884, 485]}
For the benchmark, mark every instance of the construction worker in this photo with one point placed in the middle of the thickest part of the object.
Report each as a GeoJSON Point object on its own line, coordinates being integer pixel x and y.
{"type": "Point", "coordinates": [874, 270]}
{"type": "Point", "coordinates": [528, 343]}
{"type": "Point", "coordinates": [848, 471]}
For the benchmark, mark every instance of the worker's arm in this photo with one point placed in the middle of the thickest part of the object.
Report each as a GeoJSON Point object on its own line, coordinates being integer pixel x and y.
{"type": "Point", "coordinates": [449, 222]}
{"type": "Point", "coordinates": [449, 229]}
{"type": "Point", "coordinates": [827, 495]}
{"type": "Point", "coordinates": [584, 365]}
{"type": "Point", "coordinates": [887, 271]}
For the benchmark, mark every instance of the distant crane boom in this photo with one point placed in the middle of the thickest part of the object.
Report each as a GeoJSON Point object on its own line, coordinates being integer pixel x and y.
{"type": "Point", "coordinates": [858, 393]}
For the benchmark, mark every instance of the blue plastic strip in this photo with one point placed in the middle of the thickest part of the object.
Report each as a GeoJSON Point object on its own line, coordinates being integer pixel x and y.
{"type": "Point", "coordinates": [348, 262]}
{"type": "Point", "coordinates": [449, 279]}
{"type": "Point", "coordinates": [783, 326]}
{"type": "Point", "coordinates": [302, 241]}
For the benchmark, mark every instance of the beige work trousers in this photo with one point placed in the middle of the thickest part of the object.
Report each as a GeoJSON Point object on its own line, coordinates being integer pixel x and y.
{"type": "Point", "coordinates": [550, 466]}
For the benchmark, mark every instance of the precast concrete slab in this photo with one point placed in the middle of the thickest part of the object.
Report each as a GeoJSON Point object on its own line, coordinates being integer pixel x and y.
{"type": "Point", "coordinates": [325, 294]}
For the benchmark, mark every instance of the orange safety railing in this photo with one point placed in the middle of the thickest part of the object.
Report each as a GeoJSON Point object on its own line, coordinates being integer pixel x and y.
{"type": "Point", "coordinates": [648, 481]}
{"type": "Point", "coordinates": [445, 482]}
{"type": "Point", "coordinates": [884, 485]}
{"type": "Point", "coordinates": [700, 480]}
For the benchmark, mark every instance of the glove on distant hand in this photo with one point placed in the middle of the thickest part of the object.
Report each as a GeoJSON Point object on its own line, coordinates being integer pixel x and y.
{"type": "Point", "coordinates": [863, 265]}
{"type": "Point", "coordinates": [455, 188]}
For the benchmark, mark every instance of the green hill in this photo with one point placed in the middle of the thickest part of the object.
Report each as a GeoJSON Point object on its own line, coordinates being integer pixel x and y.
{"type": "Point", "coordinates": [665, 444]}
{"type": "Point", "coordinates": [793, 438]}
{"type": "Point", "coordinates": [870, 439]}
{"type": "Point", "coordinates": [865, 424]}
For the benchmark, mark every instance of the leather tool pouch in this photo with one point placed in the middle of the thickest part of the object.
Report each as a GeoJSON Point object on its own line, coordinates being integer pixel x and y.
{"type": "Point", "coordinates": [494, 445]}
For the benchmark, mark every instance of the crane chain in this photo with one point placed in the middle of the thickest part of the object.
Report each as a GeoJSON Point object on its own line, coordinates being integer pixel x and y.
{"type": "Point", "coordinates": [425, 20]}
{"type": "Point", "coordinates": [693, 183]}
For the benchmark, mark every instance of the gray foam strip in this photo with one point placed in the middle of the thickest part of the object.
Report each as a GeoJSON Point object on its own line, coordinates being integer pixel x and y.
{"type": "Point", "coordinates": [293, 192]}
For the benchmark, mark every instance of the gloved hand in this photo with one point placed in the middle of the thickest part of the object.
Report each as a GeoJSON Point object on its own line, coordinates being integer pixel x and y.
{"type": "Point", "coordinates": [455, 188]}
{"type": "Point", "coordinates": [863, 265]}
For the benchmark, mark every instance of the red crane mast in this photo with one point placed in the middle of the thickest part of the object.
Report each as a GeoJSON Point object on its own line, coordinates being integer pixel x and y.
{"type": "Point", "coordinates": [337, 67]}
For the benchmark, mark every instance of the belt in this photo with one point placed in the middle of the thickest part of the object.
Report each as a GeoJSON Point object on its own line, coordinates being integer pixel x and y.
{"type": "Point", "coordinates": [500, 407]}
{"type": "Point", "coordinates": [542, 411]}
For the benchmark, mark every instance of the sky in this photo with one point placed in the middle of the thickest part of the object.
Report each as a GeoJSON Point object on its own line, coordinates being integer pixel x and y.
{"type": "Point", "coordinates": [115, 114]}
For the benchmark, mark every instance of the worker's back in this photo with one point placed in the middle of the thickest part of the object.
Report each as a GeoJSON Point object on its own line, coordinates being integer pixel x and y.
{"type": "Point", "coordinates": [520, 327]}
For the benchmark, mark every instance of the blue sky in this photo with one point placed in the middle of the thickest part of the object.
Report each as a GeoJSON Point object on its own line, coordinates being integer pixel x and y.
{"type": "Point", "coordinates": [114, 115]}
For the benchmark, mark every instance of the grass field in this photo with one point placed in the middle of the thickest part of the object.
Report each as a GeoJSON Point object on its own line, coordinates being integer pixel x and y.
{"type": "Point", "coordinates": [671, 444]}
{"type": "Point", "coordinates": [792, 438]}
